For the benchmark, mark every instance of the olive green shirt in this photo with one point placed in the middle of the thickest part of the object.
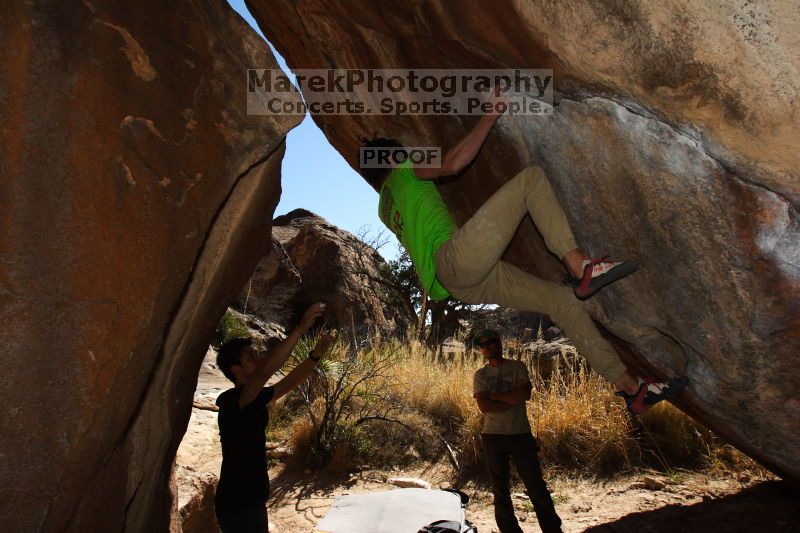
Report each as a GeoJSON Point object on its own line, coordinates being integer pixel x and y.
{"type": "Point", "coordinates": [509, 375]}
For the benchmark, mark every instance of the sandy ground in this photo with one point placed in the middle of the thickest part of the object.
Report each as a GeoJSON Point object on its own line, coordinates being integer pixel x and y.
{"type": "Point", "coordinates": [641, 503]}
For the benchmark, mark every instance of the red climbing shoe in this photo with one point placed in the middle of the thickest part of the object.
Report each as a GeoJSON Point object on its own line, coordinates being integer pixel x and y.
{"type": "Point", "coordinates": [650, 393]}
{"type": "Point", "coordinates": [597, 273]}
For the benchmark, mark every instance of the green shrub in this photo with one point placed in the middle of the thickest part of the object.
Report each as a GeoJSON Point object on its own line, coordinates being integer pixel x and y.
{"type": "Point", "coordinates": [230, 327]}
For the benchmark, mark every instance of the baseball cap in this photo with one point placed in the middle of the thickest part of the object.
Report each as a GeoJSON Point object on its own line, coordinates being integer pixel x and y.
{"type": "Point", "coordinates": [488, 333]}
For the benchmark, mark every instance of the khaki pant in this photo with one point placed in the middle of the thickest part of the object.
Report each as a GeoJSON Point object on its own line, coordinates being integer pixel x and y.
{"type": "Point", "coordinates": [469, 265]}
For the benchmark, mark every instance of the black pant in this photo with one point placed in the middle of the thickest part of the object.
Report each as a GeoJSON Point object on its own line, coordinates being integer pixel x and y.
{"type": "Point", "coordinates": [249, 520]}
{"type": "Point", "coordinates": [521, 449]}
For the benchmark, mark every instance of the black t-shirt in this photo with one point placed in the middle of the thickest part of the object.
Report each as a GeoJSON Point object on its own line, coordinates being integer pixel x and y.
{"type": "Point", "coordinates": [243, 481]}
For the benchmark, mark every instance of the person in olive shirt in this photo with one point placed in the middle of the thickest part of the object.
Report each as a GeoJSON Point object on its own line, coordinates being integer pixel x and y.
{"type": "Point", "coordinates": [243, 488]}
{"type": "Point", "coordinates": [501, 388]}
{"type": "Point", "coordinates": [465, 261]}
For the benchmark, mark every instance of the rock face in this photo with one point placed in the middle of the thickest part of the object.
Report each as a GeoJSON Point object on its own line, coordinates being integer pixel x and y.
{"type": "Point", "coordinates": [199, 456]}
{"type": "Point", "coordinates": [200, 448]}
{"type": "Point", "coordinates": [673, 141]}
{"type": "Point", "coordinates": [196, 500]}
{"type": "Point", "coordinates": [312, 260]}
{"type": "Point", "coordinates": [130, 176]}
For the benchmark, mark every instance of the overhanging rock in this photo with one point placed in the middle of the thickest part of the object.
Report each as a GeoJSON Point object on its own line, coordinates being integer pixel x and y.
{"type": "Point", "coordinates": [673, 141]}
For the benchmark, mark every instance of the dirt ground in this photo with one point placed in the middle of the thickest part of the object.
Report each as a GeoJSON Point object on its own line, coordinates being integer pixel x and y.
{"type": "Point", "coordinates": [646, 502]}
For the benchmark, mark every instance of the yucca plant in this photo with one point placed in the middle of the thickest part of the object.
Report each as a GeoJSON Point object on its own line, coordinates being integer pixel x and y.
{"type": "Point", "coordinates": [346, 390]}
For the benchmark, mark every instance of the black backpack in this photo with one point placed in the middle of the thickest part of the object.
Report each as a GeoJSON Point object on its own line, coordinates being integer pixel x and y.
{"type": "Point", "coordinates": [446, 526]}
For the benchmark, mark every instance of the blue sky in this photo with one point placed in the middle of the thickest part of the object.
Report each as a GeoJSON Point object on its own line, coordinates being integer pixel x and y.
{"type": "Point", "coordinates": [317, 178]}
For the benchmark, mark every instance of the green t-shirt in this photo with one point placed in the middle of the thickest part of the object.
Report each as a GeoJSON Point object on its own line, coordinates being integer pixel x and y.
{"type": "Point", "coordinates": [413, 209]}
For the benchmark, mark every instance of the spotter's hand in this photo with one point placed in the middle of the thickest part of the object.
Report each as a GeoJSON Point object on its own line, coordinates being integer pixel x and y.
{"type": "Point", "coordinates": [311, 315]}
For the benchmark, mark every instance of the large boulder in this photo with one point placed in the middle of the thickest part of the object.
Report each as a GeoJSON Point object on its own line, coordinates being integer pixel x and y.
{"type": "Point", "coordinates": [131, 177]}
{"type": "Point", "coordinates": [673, 140]}
{"type": "Point", "coordinates": [312, 260]}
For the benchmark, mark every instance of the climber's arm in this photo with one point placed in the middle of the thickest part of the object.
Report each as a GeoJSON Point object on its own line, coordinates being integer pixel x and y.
{"type": "Point", "coordinates": [465, 150]}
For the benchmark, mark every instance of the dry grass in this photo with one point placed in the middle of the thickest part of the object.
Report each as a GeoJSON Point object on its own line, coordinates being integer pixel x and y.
{"type": "Point", "coordinates": [440, 389]}
{"type": "Point", "coordinates": [581, 426]}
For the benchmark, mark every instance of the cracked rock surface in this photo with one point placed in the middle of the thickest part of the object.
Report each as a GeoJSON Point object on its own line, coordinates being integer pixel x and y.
{"type": "Point", "coordinates": [132, 182]}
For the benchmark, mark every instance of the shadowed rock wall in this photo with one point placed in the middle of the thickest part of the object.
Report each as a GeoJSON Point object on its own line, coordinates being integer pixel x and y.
{"type": "Point", "coordinates": [131, 184]}
{"type": "Point", "coordinates": [674, 141]}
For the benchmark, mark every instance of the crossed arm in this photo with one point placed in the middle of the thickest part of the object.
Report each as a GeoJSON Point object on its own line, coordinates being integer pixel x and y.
{"type": "Point", "coordinates": [500, 401]}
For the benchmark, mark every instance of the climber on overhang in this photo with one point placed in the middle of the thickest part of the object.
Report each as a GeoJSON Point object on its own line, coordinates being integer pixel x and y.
{"type": "Point", "coordinates": [465, 261]}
